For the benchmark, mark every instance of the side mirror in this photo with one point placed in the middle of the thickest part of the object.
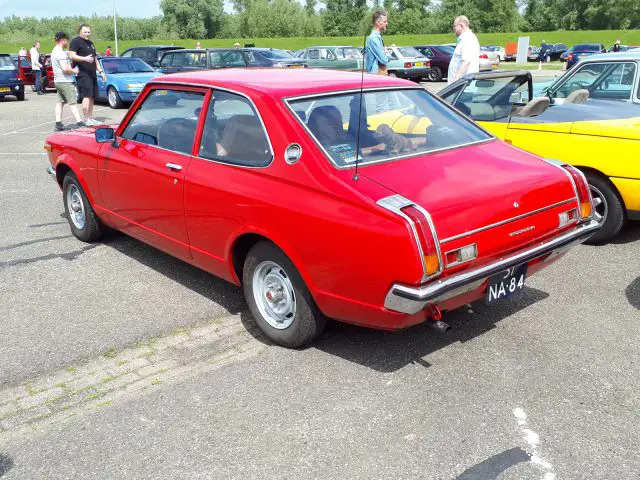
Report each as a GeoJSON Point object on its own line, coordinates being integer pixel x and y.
{"type": "Point", "coordinates": [105, 134]}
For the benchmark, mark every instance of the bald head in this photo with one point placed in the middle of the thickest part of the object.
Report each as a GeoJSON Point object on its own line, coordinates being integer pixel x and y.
{"type": "Point", "coordinates": [460, 25]}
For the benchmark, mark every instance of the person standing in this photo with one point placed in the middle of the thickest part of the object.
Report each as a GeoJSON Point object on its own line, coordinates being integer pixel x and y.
{"type": "Point", "coordinates": [83, 53]}
{"type": "Point", "coordinates": [466, 56]}
{"type": "Point", "coordinates": [198, 45]}
{"type": "Point", "coordinates": [36, 66]}
{"type": "Point", "coordinates": [375, 58]}
{"type": "Point", "coordinates": [542, 55]}
{"type": "Point", "coordinates": [63, 77]}
{"type": "Point", "coordinates": [108, 52]}
{"type": "Point", "coordinates": [616, 46]}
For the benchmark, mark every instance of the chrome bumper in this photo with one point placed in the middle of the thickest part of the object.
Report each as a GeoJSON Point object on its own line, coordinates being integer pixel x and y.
{"type": "Point", "coordinates": [408, 299]}
{"type": "Point", "coordinates": [51, 172]}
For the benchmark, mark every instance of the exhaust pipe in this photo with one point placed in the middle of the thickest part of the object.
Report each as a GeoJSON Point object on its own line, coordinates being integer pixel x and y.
{"type": "Point", "coordinates": [437, 323]}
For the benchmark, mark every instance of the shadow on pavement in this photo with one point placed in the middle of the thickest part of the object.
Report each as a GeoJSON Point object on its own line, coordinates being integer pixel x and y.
{"type": "Point", "coordinates": [633, 293]}
{"type": "Point", "coordinates": [390, 351]}
{"type": "Point", "coordinates": [6, 464]}
{"type": "Point", "coordinates": [218, 291]}
{"type": "Point", "coordinates": [629, 234]}
{"type": "Point", "coordinates": [491, 468]}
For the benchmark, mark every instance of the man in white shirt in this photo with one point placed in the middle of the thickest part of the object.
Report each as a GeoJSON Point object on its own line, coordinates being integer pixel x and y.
{"type": "Point", "coordinates": [466, 56]}
{"type": "Point", "coordinates": [63, 75]}
{"type": "Point", "coordinates": [36, 66]}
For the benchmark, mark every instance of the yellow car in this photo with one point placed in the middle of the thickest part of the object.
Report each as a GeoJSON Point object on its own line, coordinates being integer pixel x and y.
{"type": "Point", "coordinates": [600, 137]}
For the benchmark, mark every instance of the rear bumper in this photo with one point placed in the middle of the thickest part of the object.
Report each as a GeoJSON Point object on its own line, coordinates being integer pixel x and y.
{"type": "Point", "coordinates": [14, 88]}
{"type": "Point", "coordinates": [412, 72]}
{"type": "Point", "coordinates": [410, 299]}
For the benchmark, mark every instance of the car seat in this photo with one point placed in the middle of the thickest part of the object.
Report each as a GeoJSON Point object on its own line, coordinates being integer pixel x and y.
{"type": "Point", "coordinates": [577, 97]}
{"type": "Point", "coordinates": [332, 125]}
{"type": "Point", "coordinates": [535, 107]}
{"type": "Point", "coordinates": [243, 139]}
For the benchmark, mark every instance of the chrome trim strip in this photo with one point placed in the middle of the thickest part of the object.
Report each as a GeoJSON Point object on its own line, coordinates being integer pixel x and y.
{"type": "Point", "coordinates": [410, 300]}
{"type": "Point", "coordinates": [434, 234]}
{"type": "Point", "coordinates": [559, 164]}
{"type": "Point", "coordinates": [503, 222]}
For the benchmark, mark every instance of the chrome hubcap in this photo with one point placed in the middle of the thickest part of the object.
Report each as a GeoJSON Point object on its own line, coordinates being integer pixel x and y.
{"type": "Point", "coordinates": [274, 295]}
{"type": "Point", "coordinates": [600, 207]}
{"type": "Point", "coordinates": [76, 207]}
{"type": "Point", "coordinates": [112, 97]}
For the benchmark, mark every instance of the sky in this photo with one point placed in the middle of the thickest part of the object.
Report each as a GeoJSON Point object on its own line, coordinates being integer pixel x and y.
{"type": "Point", "coordinates": [63, 8]}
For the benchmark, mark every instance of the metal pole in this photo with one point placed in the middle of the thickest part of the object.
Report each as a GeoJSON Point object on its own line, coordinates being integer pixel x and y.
{"type": "Point", "coordinates": [115, 26]}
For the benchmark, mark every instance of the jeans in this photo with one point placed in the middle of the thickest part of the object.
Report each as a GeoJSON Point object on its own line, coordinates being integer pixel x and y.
{"type": "Point", "coordinates": [38, 74]}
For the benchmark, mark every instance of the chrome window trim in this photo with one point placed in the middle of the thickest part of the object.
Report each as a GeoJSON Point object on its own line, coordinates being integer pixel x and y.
{"type": "Point", "coordinates": [395, 204]}
{"type": "Point", "coordinates": [562, 80]}
{"type": "Point", "coordinates": [286, 100]}
{"type": "Point", "coordinates": [213, 87]}
{"type": "Point", "coordinates": [509, 220]}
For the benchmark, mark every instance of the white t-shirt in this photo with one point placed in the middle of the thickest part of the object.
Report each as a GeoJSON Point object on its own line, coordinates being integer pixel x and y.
{"type": "Point", "coordinates": [58, 54]}
{"type": "Point", "coordinates": [35, 58]}
{"type": "Point", "coordinates": [467, 49]}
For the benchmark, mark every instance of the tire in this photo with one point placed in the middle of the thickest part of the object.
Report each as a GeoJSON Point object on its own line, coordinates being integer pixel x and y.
{"type": "Point", "coordinates": [608, 209]}
{"type": "Point", "coordinates": [292, 320]}
{"type": "Point", "coordinates": [84, 223]}
{"type": "Point", "coordinates": [435, 75]}
{"type": "Point", "coordinates": [20, 96]}
{"type": "Point", "coordinates": [393, 74]}
{"type": "Point", "coordinates": [114, 98]}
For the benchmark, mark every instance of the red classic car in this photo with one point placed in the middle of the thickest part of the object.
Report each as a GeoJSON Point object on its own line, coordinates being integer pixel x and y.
{"type": "Point", "coordinates": [374, 203]}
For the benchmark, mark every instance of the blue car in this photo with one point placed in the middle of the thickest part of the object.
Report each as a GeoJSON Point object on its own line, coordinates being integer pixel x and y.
{"type": "Point", "coordinates": [9, 83]}
{"type": "Point", "coordinates": [126, 78]}
{"type": "Point", "coordinates": [582, 50]}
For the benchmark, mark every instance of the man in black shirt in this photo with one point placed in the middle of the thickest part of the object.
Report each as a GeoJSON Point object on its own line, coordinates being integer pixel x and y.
{"type": "Point", "coordinates": [83, 53]}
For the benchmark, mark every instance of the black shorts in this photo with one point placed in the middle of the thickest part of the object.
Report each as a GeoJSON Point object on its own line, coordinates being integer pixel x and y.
{"type": "Point", "coordinates": [87, 87]}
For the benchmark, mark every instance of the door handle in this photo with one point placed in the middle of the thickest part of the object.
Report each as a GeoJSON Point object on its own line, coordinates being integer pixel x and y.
{"type": "Point", "coordinates": [174, 167]}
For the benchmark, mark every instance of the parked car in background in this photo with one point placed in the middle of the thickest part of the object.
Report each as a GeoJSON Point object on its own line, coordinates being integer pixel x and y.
{"type": "Point", "coordinates": [272, 57]}
{"type": "Point", "coordinates": [28, 76]}
{"type": "Point", "coordinates": [489, 60]}
{"type": "Point", "coordinates": [125, 79]}
{"type": "Point", "coordinates": [563, 57]}
{"type": "Point", "coordinates": [605, 76]}
{"type": "Point", "coordinates": [623, 48]}
{"type": "Point", "coordinates": [583, 50]}
{"type": "Point", "coordinates": [599, 137]}
{"type": "Point", "coordinates": [149, 53]}
{"type": "Point", "coordinates": [334, 57]}
{"type": "Point", "coordinates": [265, 197]}
{"type": "Point", "coordinates": [555, 51]}
{"type": "Point", "coordinates": [10, 84]}
{"type": "Point", "coordinates": [440, 57]}
{"type": "Point", "coordinates": [407, 62]}
{"type": "Point", "coordinates": [499, 50]}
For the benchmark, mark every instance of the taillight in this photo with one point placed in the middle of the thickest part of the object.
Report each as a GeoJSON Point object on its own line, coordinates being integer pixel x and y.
{"type": "Point", "coordinates": [570, 56]}
{"type": "Point", "coordinates": [426, 242]}
{"type": "Point", "coordinates": [407, 64]}
{"type": "Point", "coordinates": [582, 189]}
{"type": "Point", "coordinates": [484, 56]}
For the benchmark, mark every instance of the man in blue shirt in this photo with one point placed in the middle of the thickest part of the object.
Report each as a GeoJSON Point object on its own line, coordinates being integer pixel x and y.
{"type": "Point", "coordinates": [375, 58]}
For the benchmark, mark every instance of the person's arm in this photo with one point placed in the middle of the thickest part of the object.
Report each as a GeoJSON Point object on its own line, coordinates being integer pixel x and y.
{"type": "Point", "coordinates": [464, 66]}
{"type": "Point", "coordinates": [73, 55]}
{"type": "Point", "coordinates": [66, 67]}
{"type": "Point", "coordinates": [100, 70]}
{"type": "Point", "coordinates": [468, 51]}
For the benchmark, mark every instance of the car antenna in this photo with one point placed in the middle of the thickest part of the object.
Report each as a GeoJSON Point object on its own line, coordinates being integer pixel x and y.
{"type": "Point", "coordinates": [364, 43]}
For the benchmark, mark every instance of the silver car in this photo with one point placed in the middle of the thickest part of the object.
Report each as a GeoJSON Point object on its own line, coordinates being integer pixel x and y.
{"type": "Point", "coordinates": [489, 60]}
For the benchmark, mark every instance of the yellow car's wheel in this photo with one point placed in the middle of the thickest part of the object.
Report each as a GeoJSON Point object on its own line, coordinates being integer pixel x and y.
{"type": "Point", "coordinates": [608, 209]}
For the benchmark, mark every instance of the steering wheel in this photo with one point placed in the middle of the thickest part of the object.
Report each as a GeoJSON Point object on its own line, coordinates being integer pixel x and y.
{"type": "Point", "coordinates": [171, 134]}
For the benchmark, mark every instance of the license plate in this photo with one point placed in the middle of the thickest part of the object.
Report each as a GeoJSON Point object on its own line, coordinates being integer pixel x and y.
{"type": "Point", "coordinates": [505, 284]}
{"type": "Point", "coordinates": [5, 89]}
{"type": "Point", "coordinates": [419, 64]}
{"type": "Point", "coordinates": [295, 66]}
{"type": "Point", "coordinates": [494, 66]}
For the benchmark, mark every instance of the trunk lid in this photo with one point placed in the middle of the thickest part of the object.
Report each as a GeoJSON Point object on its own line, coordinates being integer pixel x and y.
{"type": "Point", "coordinates": [471, 188]}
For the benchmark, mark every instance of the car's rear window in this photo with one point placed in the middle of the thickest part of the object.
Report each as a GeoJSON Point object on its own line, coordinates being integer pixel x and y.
{"type": "Point", "coordinates": [6, 63]}
{"type": "Point", "coordinates": [394, 124]}
{"type": "Point", "coordinates": [409, 52]}
{"type": "Point", "coordinates": [587, 47]}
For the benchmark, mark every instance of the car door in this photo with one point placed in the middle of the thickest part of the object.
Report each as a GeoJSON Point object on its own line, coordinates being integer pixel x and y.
{"type": "Point", "coordinates": [224, 183]}
{"type": "Point", "coordinates": [141, 175]}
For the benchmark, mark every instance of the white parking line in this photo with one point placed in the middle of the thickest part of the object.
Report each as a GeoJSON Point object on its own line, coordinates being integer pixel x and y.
{"type": "Point", "coordinates": [22, 153]}
{"type": "Point", "coordinates": [48, 123]}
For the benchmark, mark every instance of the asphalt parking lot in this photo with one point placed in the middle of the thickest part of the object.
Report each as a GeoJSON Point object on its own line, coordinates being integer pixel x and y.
{"type": "Point", "coordinates": [118, 361]}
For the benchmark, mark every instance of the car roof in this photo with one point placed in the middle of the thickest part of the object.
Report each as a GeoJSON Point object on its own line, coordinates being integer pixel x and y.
{"type": "Point", "coordinates": [331, 46]}
{"type": "Point", "coordinates": [628, 56]}
{"type": "Point", "coordinates": [275, 82]}
{"type": "Point", "coordinates": [156, 46]}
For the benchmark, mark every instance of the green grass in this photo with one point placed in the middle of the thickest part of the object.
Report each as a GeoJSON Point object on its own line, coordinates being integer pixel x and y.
{"type": "Point", "coordinates": [607, 37]}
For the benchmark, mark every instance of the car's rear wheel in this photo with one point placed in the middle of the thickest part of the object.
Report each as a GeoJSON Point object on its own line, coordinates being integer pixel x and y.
{"type": "Point", "coordinates": [435, 75]}
{"type": "Point", "coordinates": [608, 209]}
{"type": "Point", "coordinates": [114, 98]}
{"type": "Point", "coordinates": [84, 223]}
{"type": "Point", "coordinates": [278, 297]}
{"type": "Point", "coordinates": [20, 96]}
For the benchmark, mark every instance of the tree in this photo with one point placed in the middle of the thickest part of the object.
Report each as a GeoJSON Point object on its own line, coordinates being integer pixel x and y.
{"type": "Point", "coordinates": [193, 18]}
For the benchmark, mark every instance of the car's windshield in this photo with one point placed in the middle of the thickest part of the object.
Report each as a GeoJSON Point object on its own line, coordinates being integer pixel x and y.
{"type": "Point", "coordinates": [409, 52]}
{"type": "Point", "coordinates": [348, 52]}
{"type": "Point", "coordinates": [587, 47]}
{"type": "Point", "coordinates": [394, 124]}
{"type": "Point", "coordinates": [276, 54]}
{"type": "Point", "coordinates": [128, 65]}
{"type": "Point", "coordinates": [6, 63]}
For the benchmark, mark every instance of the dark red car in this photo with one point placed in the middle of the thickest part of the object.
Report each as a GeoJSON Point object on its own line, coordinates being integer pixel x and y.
{"type": "Point", "coordinates": [324, 194]}
{"type": "Point", "coordinates": [440, 56]}
{"type": "Point", "coordinates": [28, 76]}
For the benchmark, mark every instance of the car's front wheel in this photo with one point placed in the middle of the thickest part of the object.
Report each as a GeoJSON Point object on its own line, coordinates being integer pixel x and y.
{"type": "Point", "coordinates": [608, 209]}
{"type": "Point", "coordinates": [85, 224]}
{"type": "Point", "coordinates": [114, 98]}
{"type": "Point", "coordinates": [278, 297]}
{"type": "Point", "coordinates": [435, 75]}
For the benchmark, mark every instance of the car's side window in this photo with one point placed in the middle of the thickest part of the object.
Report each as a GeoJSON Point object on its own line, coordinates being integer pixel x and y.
{"type": "Point", "coordinates": [313, 54]}
{"type": "Point", "coordinates": [428, 52]}
{"type": "Point", "coordinates": [166, 60]}
{"type": "Point", "coordinates": [127, 53]}
{"type": "Point", "coordinates": [168, 119]}
{"type": "Point", "coordinates": [233, 132]}
{"type": "Point", "coordinates": [234, 59]}
{"type": "Point", "coordinates": [137, 53]}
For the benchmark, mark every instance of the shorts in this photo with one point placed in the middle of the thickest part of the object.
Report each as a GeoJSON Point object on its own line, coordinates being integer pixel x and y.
{"type": "Point", "coordinates": [87, 87]}
{"type": "Point", "coordinates": [66, 93]}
